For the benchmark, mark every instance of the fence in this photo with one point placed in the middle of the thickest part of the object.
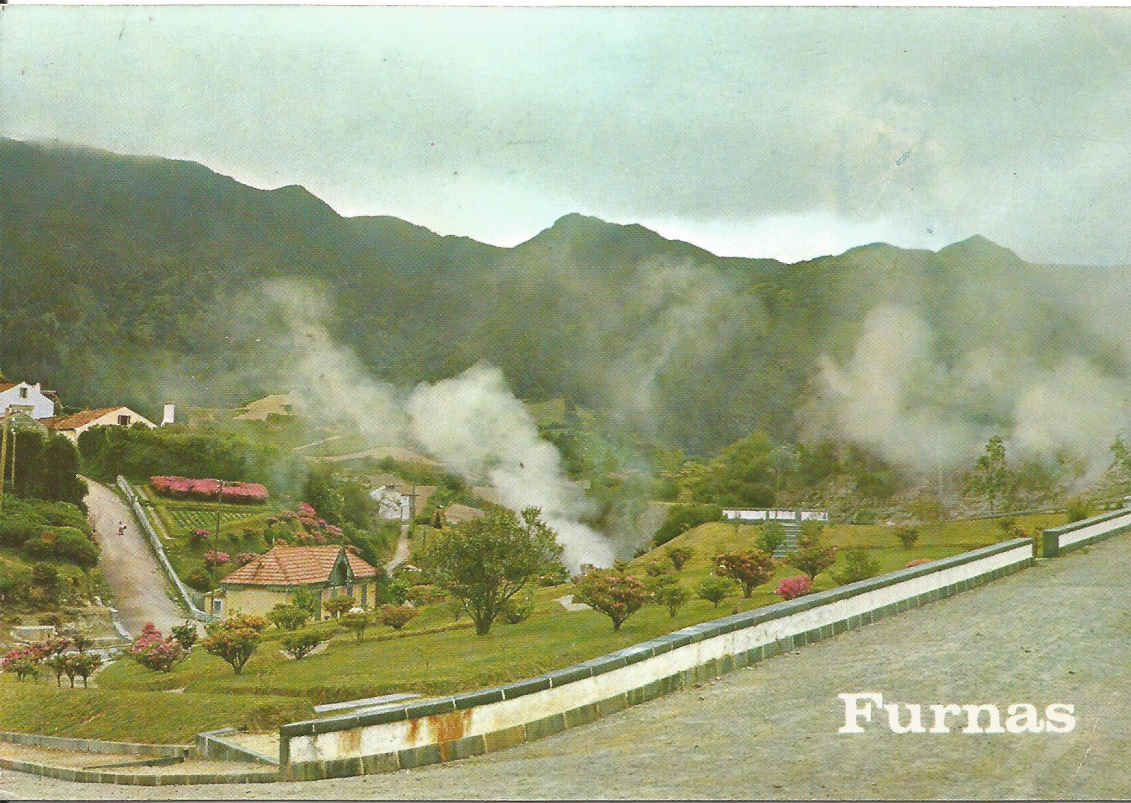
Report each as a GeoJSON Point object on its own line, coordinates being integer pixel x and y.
{"type": "Point", "coordinates": [192, 599]}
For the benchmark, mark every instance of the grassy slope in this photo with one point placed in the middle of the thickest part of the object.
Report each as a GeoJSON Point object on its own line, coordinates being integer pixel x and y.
{"type": "Point", "coordinates": [447, 661]}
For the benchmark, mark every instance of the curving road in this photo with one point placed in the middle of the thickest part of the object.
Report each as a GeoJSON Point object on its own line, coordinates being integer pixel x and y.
{"type": "Point", "coordinates": [131, 570]}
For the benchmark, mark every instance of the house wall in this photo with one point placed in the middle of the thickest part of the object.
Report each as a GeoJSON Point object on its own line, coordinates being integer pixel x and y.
{"type": "Point", "coordinates": [258, 600]}
{"type": "Point", "coordinates": [41, 406]}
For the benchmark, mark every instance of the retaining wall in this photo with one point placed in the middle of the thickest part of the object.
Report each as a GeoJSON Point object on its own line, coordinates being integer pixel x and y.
{"type": "Point", "coordinates": [418, 733]}
{"type": "Point", "coordinates": [188, 596]}
{"type": "Point", "coordinates": [213, 745]}
{"type": "Point", "coordinates": [96, 745]}
{"type": "Point", "coordinates": [136, 778]}
{"type": "Point", "coordinates": [1057, 540]}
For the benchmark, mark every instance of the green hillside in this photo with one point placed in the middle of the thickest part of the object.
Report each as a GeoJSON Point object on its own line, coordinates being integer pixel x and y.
{"type": "Point", "coordinates": [135, 280]}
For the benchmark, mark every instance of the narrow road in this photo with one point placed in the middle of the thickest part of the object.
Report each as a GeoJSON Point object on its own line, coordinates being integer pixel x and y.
{"type": "Point", "coordinates": [400, 555]}
{"type": "Point", "coordinates": [128, 563]}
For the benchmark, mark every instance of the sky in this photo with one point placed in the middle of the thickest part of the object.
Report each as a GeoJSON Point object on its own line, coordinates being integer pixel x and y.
{"type": "Point", "coordinates": [763, 132]}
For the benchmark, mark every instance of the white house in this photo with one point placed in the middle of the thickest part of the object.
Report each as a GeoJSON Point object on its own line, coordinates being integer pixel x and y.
{"type": "Point", "coordinates": [25, 397]}
{"type": "Point", "coordinates": [76, 424]}
{"type": "Point", "coordinates": [392, 503]}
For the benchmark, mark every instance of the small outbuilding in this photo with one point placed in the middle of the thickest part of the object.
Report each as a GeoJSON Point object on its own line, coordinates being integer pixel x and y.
{"type": "Point", "coordinates": [273, 577]}
{"type": "Point", "coordinates": [77, 423]}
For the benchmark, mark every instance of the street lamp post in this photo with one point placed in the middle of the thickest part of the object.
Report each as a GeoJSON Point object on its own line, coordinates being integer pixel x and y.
{"type": "Point", "coordinates": [219, 497]}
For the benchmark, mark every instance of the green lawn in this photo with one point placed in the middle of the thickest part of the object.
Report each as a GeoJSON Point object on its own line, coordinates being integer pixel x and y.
{"type": "Point", "coordinates": [434, 654]}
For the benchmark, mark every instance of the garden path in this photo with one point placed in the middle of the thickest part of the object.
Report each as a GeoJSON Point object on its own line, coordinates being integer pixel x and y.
{"type": "Point", "coordinates": [127, 561]}
{"type": "Point", "coordinates": [400, 555]}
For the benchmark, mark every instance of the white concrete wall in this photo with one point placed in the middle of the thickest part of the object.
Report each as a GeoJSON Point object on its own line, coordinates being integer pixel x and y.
{"type": "Point", "coordinates": [484, 719]}
{"type": "Point", "coordinates": [1092, 530]}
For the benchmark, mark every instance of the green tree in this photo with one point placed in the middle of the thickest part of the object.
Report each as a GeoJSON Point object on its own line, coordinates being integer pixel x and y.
{"type": "Point", "coordinates": [336, 606]}
{"type": "Point", "coordinates": [990, 477]}
{"type": "Point", "coordinates": [234, 639]}
{"type": "Point", "coordinates": [355, 623]}
{"type": "Point", "coordinates": [714, 589]}
{"type": "Point", "coordinates": [772, 536]}
{"type": "Point", "coordinates": [614, 594]}
{"type": "Point", "coordinates": [750, 568]}
{"type": "Point", "coordinates": [486, 561]}
{"type": "Point", "coordinates": [679, 555]}
{"type": "Point", "coordinates": [858, 565]}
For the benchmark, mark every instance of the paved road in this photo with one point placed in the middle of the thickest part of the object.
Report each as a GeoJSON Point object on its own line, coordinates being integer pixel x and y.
{"type": "Point", "coordinates": [139, 585]}
{"type": "Point", "coordinates": [1056, 633]}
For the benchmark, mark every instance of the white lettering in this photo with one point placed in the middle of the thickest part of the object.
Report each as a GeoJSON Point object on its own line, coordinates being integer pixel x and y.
{"type": "Point", "coordinates": [914, 726]}
{"type": "Point", "coordinates": [973, 712]}
{"type": "Point", "coordinates": [1023, 718]}
{"type": "Point", "coordinates": [1062, 715]}
{"type": "Point", "coordinates": [853, 711]}
{"type": "Point", "coordinates": [940, 712]}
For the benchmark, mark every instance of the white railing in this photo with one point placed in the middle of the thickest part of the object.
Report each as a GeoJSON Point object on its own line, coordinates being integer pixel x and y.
{"type": "Point", "coordinates": [776, 515]}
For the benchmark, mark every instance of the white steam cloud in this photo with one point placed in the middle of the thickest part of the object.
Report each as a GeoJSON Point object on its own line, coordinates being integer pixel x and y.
{"type": "Point", "coordinates": [471, 422]}
{"type": "Point", "coordinates": [474, 423]}
{"type": "Point", "coordinates": [897, 396]}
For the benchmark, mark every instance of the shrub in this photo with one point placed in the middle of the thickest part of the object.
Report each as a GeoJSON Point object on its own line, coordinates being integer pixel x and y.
{"type": "Point", "coordinates": [714, 589]}
{"type": "Point", "coordinates": [23, 661]}
{"type": "Point", "coordinates": [155, 652]}
{"type": "Point", "coordinates": [234, 639]}
{"type": "Point", "coordinates": [396, 616]}
{"type": "Point", "coordinates": [793, 587]}
{"type": "Point", "coordinates": [669, 593]}
{"type": "Point", "coordinates": [810, 533]}
{"type": "Point", "coordinates": [51, 619]}
{"type": "Point", "coordinates": [306, 599]}
{"type": "Point", "coordinates": [1078, 509]}
{"type": "Point", "coordinates": [772, 537]}
{"type": "Point", "coordinates": [200, 535]}
{"type": "Point", "coordinates": [288, 616]}
{"type": "Point", "coordinates": [15, 530]}
{"type": "Point", "coordinates": [812, 559]}
{"type": "Point", "coordinates": [679, 555]}
{"type": "Point", "coordinates": [425, 594]}
{"type": "Point", "coordinates": [557, 575]}
{"type": "Point", "coordinates": [907, 536]}
{"type": "Point", "coordinates": [858, 565]}
{"type": "Point", "coordinates": [518, 608]}
{"type": "Point", "coordinates": [616, 595]}
{"type": "Point", "coordinates": [214, 558]}
{"type": "Point", "coordinates": [299, 644]}
{"type": "Point", "coordinates": [185, 634]}
{"type": "Point", "coordinates": [654, 569]}
{"type": "Point", "coordinates": [199, 579]}
{"type": "Point", "coordinates": [355, 622]}
{"type": "Point", "coordinates": [682, 518]}
{"type": "Point", "coordinates": [748, 568]}
{"type": "Point", "coordinates": [336, 606]}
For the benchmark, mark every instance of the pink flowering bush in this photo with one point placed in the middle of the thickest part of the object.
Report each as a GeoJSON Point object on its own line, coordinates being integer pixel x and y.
{"type": "Point", "coordinates": [154, 651]}
{"type": "Point", "coordinates": [245, 558]}
{"type": "Point", "coordinates": [207, 489]}
{"type": "Point", "coordinates": [793, 587]}
{"type": "Point", "coordinates": [22, 661]}
{"type": "Point", "coordinates": [212, 558]}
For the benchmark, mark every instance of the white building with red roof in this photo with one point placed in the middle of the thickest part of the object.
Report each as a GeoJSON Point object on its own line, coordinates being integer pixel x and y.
{"type": "Point", "coordinates": [273, 577]}
{"type": "Point", "coordinates": [77, 423]}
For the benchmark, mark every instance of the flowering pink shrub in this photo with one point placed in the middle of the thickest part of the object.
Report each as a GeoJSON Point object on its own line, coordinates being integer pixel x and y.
{"type": "Point", "coordinates": [792, 587]}
{"type": "Point", "coordinates": [207, 489]}
{"type": "Point", "coordinates": [153, 651]}
{"type": "Point", "coordinates": [245, 558]}
{"type": "Point", "coordinates": [23, 661]}
{"type": "Point", "coordinates": [212, 558]}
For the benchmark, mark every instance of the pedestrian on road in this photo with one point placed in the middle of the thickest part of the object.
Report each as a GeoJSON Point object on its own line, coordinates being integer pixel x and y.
{"type": "Point", "coordinates": [121, 528]}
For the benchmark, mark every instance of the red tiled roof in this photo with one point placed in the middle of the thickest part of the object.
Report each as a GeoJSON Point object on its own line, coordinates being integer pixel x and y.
{"type": "Point", "coordinates": [296, 565]}
{"type": "Point", "coordinates": [76, 420]}
{"type": "Point", "coordinates": [7, 386]}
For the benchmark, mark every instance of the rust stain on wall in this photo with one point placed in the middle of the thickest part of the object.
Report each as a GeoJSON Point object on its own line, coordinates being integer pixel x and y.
{"type": "Point", "coordinates": [349, 741]}
{"type": "Point", "coordinates": [441, 728]}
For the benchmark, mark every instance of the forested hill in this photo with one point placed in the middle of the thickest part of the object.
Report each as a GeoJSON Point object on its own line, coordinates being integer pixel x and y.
{"type": "Point", "coordinates": [135, 279]}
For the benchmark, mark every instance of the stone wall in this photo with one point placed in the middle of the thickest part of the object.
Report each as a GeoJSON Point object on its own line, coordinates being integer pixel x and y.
{"type": "Point", "coordinates": [401, 737]}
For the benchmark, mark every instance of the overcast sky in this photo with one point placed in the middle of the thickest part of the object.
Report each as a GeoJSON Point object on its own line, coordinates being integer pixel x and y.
{"type": "Point", "coordinates": [755, 132]}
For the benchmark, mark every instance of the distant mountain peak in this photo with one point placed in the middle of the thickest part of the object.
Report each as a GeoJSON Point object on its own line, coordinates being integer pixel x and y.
{"type": "Point", "coordinates": [978, 245]}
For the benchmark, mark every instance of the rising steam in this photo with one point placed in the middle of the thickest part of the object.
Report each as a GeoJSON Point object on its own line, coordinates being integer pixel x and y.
{"type": "Point", "coordinates": [471, 422]}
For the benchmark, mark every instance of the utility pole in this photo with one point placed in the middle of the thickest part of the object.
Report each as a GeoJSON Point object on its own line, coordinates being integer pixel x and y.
{"type": "Point", "coordinates": [3, 460]}
{"type": "Point", "coordinates": [219, 497]}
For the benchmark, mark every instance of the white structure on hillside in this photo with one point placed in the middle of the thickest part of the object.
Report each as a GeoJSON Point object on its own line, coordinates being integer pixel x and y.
{"type": "Point", "coordinates": [74, 425]}
{"type": "Point", "coordinates": [392, 503]}
{"type": "Point", "coordinates": [24, 397]}
{"type": "Point", "coordinates": [776, 515]}
{"type": "Point", "coordinates": [169, 415]}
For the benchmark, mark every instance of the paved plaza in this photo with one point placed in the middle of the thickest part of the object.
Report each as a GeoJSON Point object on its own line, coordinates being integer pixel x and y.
{"type": "Point", "coordinates": [1059, 632]}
